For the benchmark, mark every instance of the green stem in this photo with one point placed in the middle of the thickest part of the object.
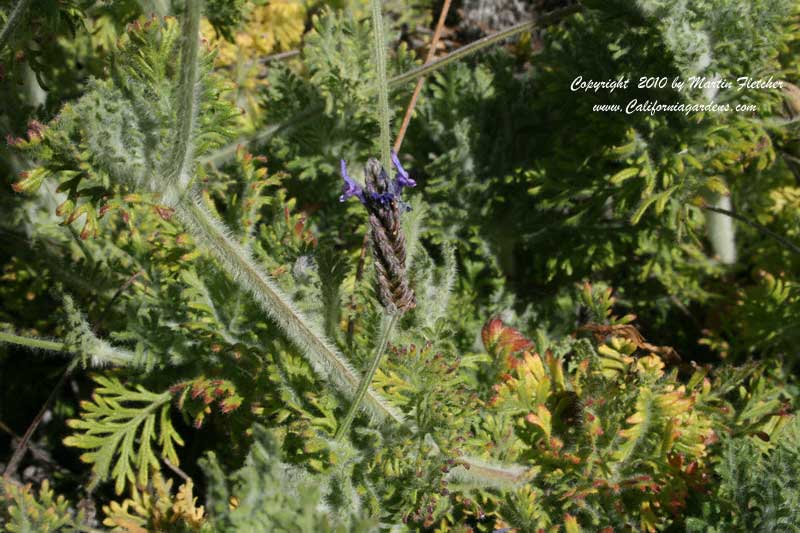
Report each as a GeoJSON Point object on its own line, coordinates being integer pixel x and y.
{"type": "Point", "coordinates": [383, 342]}
{"type": "Point", "coordinates": [13, 20]}
{"type": "Point", "coordinates": [182, 156]}
{"type": "Point", "coordinates": [384, 117]}
{"type": "Point", "coordinates": [33, 343]}
{"type": "Point", "coordinates": [326, 360]}
{"type": "Point", "coordinates": [480, 44]}
{"type": "Point", "coordinates": [209, 232]}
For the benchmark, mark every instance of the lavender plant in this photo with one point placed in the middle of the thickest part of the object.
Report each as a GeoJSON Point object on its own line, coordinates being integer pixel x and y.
{"type": "Point", "coordinates": [236, 363]}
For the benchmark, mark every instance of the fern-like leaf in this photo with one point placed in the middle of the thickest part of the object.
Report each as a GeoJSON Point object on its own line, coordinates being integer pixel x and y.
{"type": "Point", "coordinates": [118, 427]}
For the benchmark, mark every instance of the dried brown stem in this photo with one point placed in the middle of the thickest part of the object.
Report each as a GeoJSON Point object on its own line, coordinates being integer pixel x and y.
{"type": "Point", "coordinates": [398, 142]}
{"type": "Point", "coordinates": [22, 446]}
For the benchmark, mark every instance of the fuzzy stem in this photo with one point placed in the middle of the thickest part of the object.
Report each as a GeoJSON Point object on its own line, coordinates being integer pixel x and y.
{"type": "Point", "coordinates": [487, 474]}
{"type": "Point", "coordinates": [182, 152]}
{"type": "Point", "coordinates": [160, 8]}
{"type": "Point", "coordinates": [13, 20]}
{"type": "Point", "coordinates": [480, 44]}
{"type": "Point", "coordinates": [240, 265]}
{"type": "Point", "coordinates": [383, 342]}
{"type": "Point", "coordinates": [384, 117]}
{"type": "Point", "coordinates": [33, 343]}
{"type": "Point", "coordinates": [211, 233]}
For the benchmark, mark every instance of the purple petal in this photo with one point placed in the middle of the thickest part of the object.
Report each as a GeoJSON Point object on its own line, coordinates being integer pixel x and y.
{"type": "Point", "coordinates": [403, 179]}
{"type": "Point", "coordinates": [350, 187]}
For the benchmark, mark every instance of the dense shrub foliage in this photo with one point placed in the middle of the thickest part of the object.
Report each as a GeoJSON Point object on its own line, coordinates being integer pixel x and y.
{"type": "Point", "coordinates": [228, 306]}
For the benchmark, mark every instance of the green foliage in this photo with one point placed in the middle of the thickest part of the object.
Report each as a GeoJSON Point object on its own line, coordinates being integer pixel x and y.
{"type": "Point", "coordinates": [118, 427]}
{"type": "Point", "coordinates": [157, 509]}
{"type": "Point", "coordinates": [757, 491]}
{"type": "Point", "coordinates": [121, 132]}
{"type": "Point", "coordinates": [26, 512]}
{"type": "Point", "coordinates": [341, 82]}
{"type": "Point", "coordinates": [574, 191]}
{"type": "Point", "coordinates": [611, 436]}
{"type": "Point", "coordinates": [773, 300]}
{"type": "Point", "coordinates": [521, 392]}
{"type": "Point", "coordinates": [268, 493]}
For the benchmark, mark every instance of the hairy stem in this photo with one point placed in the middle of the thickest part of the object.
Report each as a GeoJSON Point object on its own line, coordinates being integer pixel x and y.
{"type": "Point", "coordinates": [13, 19]}
{"type": "Point", "coordinates": [211, 233]}
{"type": "Point", "coordinates": [487, 474]}
{"type": "Point", "coordinates": [182, 152]}
{"type": "Point", "coordinates": [384, 117]}
{"type": "Point", "coordinates": [484, 473]}
{"type": "Point", "coordinates": [33, 343]}
{"type": "Point", "coordinates": [239, 264]}
{"type": "Point", "coordinates": [383, 342]}
{"type": "Point", "coordinates": [480, 44]}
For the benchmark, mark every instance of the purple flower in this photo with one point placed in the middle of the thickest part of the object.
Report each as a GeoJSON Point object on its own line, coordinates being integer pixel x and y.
{"type": "Point", "coordinates": [402, 179]}
{"type": "Point", "coordinates": [350, 187]}
{"type": "Point", "coordinates": [387, 191]}
{"type": "Point", "coordinates": [383, 198]}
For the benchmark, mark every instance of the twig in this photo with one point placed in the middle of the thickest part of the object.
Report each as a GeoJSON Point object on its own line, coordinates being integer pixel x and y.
{"type": "Point", "coordinates": [280, 55]}
{"type": "Point", "coordinates": [43, 344]}
{"type": "Point", "coordinates": [224, 154]}
{"type": "Point", "coordinates": [398, 142]}
{"type": "Point", "coordinates": [763, 229]}
{"type": "Point", "coordinates": [114, 298]}
{"type": "Point", "coordinates": [546, 20]}
{"type": "Point", "coordinates": [183, 475]}
{"type": "Point", "coordinates": [19, 453]}
{"type": "Point", "coordinates": [8, 430]}
{"type": "Point", "coordinates": [37, 451]}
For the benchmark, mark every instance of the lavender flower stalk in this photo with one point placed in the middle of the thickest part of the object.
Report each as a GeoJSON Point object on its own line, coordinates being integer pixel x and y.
{"type": "Point", "coordinates": [381, 197]}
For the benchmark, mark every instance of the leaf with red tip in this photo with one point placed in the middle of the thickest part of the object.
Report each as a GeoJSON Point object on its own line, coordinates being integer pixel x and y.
{"type": "Point", "coordinates": [503, 341]}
